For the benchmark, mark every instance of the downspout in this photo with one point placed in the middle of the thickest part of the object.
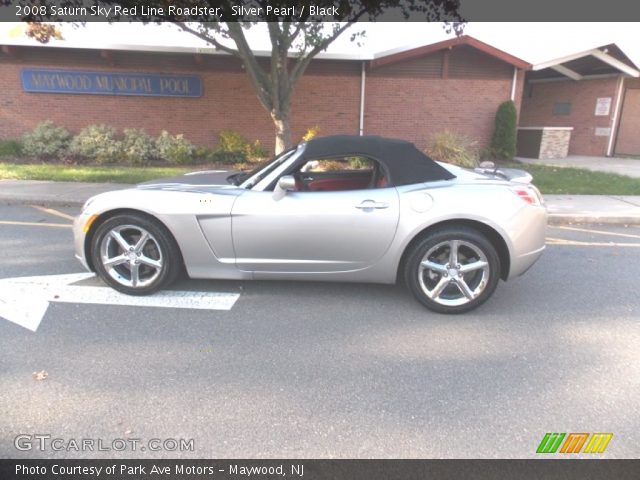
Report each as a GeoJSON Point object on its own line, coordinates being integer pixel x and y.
{"type": "Point", "coordinates": [362, 84]}
{"type": "Point", "coordinates": [614, 119]}
{"type": "Point", "coordinates": [513, 84]}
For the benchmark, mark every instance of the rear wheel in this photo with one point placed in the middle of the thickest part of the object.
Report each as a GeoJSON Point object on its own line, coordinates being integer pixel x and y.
{"type": "Point", "coordinates": [453, 270]}
{"type": "Point", "coordinates": [134, 254]}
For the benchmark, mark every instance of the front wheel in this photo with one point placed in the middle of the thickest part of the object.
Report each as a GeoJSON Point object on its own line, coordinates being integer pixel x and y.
{"type": "Point", "coordinates": [134, 254]}
{"type": "Point", "coordinates": [453, 270]}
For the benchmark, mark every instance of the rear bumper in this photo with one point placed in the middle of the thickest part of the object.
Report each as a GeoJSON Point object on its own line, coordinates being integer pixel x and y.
{"type": "Point", "coordinates": [527, 233]}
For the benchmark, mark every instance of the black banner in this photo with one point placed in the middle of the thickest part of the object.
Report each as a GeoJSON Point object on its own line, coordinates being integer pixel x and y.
{"type": "Point", "coordinates": [320, 10]}
{"type": "Point", "coordinates": [318, 469]}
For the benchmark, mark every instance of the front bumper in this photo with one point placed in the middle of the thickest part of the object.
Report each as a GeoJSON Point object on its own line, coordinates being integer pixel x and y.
{"type": "Point", "coordinates": [79, 238]}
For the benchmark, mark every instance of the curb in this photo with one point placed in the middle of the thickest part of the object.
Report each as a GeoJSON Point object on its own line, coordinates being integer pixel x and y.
{"type": "Point", "coordinates": [54, 202]}
{"type": "Point", "coordinates": [574, 219]}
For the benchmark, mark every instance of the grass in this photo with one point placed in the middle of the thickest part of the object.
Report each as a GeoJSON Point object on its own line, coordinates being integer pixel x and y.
{"type": "Point", "coordinates": [550, 180]}
{"type": "Point", "coordinates": [577, 181]}
{"type": "Point", "coordinates": [87, 173]}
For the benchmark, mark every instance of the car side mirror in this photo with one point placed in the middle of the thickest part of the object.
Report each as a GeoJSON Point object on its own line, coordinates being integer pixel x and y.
{"type": "Point", "coordinates": [286, 183]}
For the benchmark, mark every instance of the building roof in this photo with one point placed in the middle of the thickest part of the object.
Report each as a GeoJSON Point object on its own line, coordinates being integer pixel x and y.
{"type": "Point", "coordinates": [399, 55]}
{"type": "Point", "coordinates": [603, 60]}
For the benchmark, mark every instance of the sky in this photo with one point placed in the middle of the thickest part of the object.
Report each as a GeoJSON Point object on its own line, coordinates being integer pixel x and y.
{"type": "Point", "coordinates": [533, 42]}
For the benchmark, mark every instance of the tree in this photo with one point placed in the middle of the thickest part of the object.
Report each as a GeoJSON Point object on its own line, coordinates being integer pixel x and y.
{"type": "Point", "coordinates": [297, 35]}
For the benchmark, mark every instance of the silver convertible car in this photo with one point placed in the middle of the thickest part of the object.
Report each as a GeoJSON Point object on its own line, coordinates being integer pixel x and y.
{"type": "Point", "coordinates": [338, 208]}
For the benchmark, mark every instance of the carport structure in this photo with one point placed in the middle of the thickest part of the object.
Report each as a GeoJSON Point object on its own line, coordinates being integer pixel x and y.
{"type": "Point", "coordinates": [594, 92]}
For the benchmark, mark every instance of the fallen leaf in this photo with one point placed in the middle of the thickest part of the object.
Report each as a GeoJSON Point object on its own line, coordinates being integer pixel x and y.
{"type": "Point", "coordinates": [41, 375]}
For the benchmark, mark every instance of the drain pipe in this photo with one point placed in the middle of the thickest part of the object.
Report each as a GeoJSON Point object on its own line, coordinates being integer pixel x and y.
{"type": "Point", "coordinates": [513, 84]}
{"type": "Point", "coordinates": [362, 84]}
{"type": "Point", "coordinates": [614, 118]}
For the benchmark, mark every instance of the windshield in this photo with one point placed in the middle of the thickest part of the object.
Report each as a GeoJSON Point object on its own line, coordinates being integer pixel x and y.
{"type": "Point", "coordinates": [249, 179]}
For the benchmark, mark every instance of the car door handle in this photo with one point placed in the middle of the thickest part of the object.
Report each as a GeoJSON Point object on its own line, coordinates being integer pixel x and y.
{"type": "Point", "coordinates": [370, 204]}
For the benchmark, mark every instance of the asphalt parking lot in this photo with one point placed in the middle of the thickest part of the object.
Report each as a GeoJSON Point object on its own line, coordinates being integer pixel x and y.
{"type": "Point", "coordinates": [312, 370]}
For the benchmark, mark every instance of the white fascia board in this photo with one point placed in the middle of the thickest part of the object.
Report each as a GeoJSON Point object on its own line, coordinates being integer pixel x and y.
{"type": "Point", "coordinates": [177, 49]}
{"type": "Point", "coordinates": [567, 72]}
{"type": "Point", "coordinates": [615, 63]}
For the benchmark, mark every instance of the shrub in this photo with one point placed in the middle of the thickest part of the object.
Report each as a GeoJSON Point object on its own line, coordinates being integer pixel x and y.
{"type": "Point", "coordinates": [138, 147]}
{"type": "Point", "coordinates": [230, 141]}
{"type": "Point", "coordinates": [10, 148]}
{"type": "Point", "coordinates": [503, 143]}
{"type": "Point", "coordinates": [228, 157]}
{"type": "Point", "coordinates": [453, 148]}
{"type": "Point", "coordinates": [174, 149]}
{"type": "Point", "coordinates": [311, 132]}
{"type": "Point", "coordinates": [47, 140]}
{"type": "Point", "coordinates": [97, 142]}
{"type": "Point", "coordinates": [234, 143]}
{"type": "Point", "coordinates": [255, 151]}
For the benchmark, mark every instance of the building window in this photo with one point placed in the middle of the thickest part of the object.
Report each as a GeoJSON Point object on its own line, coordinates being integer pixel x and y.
{"type": "Point", "coordinates": [562, 108]}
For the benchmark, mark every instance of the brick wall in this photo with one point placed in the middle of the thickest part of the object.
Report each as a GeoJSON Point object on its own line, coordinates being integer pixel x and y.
{"type": "Point", "coordinates": [416, 103]}
{"type": "Point", "coordinates": [328, 97]}
{"type": "Point", "coordinates": [539, 100]}
{"type": "Point", "coordinates": [410, 100]}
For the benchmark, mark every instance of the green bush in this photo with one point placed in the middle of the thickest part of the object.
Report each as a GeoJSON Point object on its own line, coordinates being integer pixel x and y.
{"type": "Point", "coordinates": [175, 149]}
{"type": "Point", "coordinates": [98, 143]}
{"type": "Point", "coordinates": [255, 151]}
{"type": "Point", "coordinates": [233, 142]}
{"type": "Point", "coordinates": [503, 143]}
{"type": "Point", "coordinates": [138, 147]}
{"type": "Point", "coordinates": [10, 148]}
{"type": "Point", "coordinates": [453, 148]}
{"type": "Point", "coordinates": [228, 157]}
{"type": "Point", "coordinates": [47, 140]}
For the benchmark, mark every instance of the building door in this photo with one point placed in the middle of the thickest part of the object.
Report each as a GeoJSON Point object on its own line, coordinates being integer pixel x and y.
{"type": "Point", "coordinates": [628, 141]}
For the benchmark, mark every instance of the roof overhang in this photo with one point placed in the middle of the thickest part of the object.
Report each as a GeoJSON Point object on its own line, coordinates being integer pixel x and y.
{"type": "Point", "coordinates": [394, 56]}
{"type": "Point", "coordinates": [589, 64]}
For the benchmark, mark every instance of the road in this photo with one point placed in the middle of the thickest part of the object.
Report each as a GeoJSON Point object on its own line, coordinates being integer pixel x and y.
{"type": "Point", "coordinates": [311, 370]}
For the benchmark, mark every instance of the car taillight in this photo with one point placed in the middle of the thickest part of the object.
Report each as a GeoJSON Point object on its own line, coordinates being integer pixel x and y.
{"type": "Point", "coordinates": [529, 194]}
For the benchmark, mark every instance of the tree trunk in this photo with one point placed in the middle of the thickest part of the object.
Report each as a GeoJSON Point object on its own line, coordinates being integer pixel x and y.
{"type": "Point", "coordinates": [283, 133]}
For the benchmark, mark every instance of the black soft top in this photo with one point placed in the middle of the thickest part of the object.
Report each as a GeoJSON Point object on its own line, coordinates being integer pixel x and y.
{"type": "Point", "coordinates": [405, 164]}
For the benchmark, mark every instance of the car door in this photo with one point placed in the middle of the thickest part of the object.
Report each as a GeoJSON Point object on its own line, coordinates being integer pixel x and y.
{"type": "Point", "coordinates": [314, 231]}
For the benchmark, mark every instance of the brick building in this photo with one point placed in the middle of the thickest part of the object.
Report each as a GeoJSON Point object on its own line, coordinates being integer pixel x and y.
{"type": "Point", "coordinates": [595, 93]}
{"type": "Point", "coordinates": [456, 84]}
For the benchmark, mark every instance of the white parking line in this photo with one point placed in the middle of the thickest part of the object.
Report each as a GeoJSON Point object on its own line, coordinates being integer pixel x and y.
{"type": "Point", "coordinates": [24, 300]}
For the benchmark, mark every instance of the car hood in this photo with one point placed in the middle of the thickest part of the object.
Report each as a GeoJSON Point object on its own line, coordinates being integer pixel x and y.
{"type": "Point", "coordinates": [191, 181]}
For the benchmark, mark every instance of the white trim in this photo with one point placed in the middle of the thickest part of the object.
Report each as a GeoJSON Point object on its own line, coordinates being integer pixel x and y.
{"type": "Point", "coordinates": [615, 63]}
{"type": "Point", "coordinates": [567, 72]}
{"type": "Point", "coordinates": [203, 50]}
{"type": "Point", "coordinates": [513, 84]}
{"type": "Point", "coordinates": [565, 59]}
{"type": "Point", "coordinates": [545, 128]}
{"type": "Point", "coordinates": [565, 79]}
{"type": "Point", "coordinates": [600, 55]}
{"type": "Point", "coordinates": [614, 117]}
{"type": "Point", "coordinates": [363, 78]}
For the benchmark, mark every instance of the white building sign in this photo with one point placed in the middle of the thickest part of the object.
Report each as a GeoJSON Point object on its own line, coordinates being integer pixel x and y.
{"type": "Point", "coordinates": [603, 106]}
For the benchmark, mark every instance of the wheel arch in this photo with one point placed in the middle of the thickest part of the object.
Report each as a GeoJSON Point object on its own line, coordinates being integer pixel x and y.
{"type": "Point", "coordinates": [104, 216]}
{"type": "Point", "coordinates": [496, 239]}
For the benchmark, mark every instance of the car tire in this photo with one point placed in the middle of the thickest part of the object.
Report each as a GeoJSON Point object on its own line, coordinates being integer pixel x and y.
{"type": "Point", "coordinates": [135, 254]}
{"type": "Point", "coordinates": [452, 288]}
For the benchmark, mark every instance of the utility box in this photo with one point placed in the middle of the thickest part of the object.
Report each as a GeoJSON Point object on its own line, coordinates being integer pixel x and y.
{"type": "Point", "coordinates": [545, 143]}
